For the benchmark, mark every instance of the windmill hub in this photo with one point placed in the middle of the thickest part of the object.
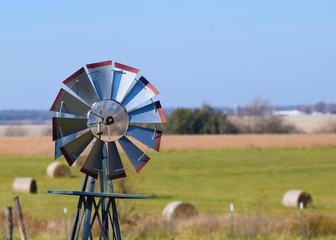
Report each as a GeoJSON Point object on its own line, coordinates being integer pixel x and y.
{"type": "Point", "coordinates": [108, 120]}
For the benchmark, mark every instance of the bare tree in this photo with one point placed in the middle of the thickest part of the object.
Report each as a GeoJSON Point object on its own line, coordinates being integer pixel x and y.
{"type": "Point", "coordinates": [258, 107]}
{"type": "Point", "coordinates": [257, 117]}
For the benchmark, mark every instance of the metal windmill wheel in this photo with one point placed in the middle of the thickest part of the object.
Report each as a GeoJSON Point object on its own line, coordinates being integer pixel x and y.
{"type": "Point", "coordinates": [106, 105]}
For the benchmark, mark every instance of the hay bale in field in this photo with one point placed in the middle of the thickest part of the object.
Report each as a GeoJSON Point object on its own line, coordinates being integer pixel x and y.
{"type": "Point", "coordinates": [57, 169]}
{"type": "Point", "coordinates": [179, 210]}
{"type": "Point", "coordinates": [293, 198]}
{"type": "Point", "coordinates": [25, 185]}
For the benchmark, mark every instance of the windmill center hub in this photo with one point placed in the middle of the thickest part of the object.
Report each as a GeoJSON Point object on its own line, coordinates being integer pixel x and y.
{"type": "Point", "coordinates": [108, 120]}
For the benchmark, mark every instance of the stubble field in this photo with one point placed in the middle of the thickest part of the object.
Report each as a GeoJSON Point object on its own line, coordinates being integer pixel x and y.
{"type": "Point", "coordinates": [43, 146]}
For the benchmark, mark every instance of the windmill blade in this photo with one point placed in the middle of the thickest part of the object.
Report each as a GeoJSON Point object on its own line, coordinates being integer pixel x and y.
{"type": "Point", "coordinates": [115, 166]}
{"type": "Point", "coordinates": [151, 113]}
{"type": "Point", "coordinates": [66, 139]}
{"type": "Point", "coordinates": [74, 149]}
{"type": "Point", "coordinates": [67, 103]}
{"type": "Point", "coordinates": [149, 137]}
{"type": "Point", "coordinates": [66, 126]}
{"type": "Point", "coordinates": [137, 157]}
{"type": "Point", "coordinates": [61, 142]}
{"type": "Point", "coordinates": [123, 78]}
{"type": "Point", "coordinates": [93, 163]}
{"type": "Point", "coordinates": [141, 92]}
{"type": "Point", "coordinates": [80, 83]}
{"type": "Point", "coordinates": [101, 75]}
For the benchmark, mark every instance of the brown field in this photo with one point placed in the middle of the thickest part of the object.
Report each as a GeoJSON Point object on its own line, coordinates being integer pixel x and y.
{"type": "Point", "coordinates": [43, 146]}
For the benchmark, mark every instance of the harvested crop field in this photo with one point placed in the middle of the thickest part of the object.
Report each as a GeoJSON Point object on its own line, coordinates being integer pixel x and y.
{"type": "Point", "coordinates": [43, 146]}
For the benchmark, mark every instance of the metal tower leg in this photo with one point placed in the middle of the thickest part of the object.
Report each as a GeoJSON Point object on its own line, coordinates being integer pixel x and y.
{"type": "Point", "coordinates": [115, 220]}
{"type": "Point", "coordinates": [79, 207]}
{"type": "Point", "coordinates": [104, 205]}
{"type": "Point", "coordinates": [88, 210]}
{"type": "Point", "coordinates": [114, 213]}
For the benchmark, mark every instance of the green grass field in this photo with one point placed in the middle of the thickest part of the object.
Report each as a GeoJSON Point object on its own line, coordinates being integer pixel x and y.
{"type": "Point", "coordinates": [255, 180]}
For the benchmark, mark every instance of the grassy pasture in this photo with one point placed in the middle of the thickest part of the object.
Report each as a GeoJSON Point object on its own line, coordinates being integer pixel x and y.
{"type": "Point", "coordinates": [254, 179]}
{"type": "Point", "coordinates": [211, 179]}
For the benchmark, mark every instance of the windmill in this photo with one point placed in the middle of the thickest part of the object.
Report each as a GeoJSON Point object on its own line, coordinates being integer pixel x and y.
{"type": "Point", "coordinates": [105, 108]}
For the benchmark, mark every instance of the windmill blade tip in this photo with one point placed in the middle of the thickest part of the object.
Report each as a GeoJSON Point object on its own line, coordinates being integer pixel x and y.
{"type": "Point", "coordinates": [90, 173]}
{"type": "Point", "coordinates": [73, 76]}
{"type": "Point", "coordinates": [143, 162]}
{"type": "Point", "coordinates": [67, 156]}
{"type": "Point", "coordinates": [99, 64]}
{"type": "Point", "coordinates": [116, 176]}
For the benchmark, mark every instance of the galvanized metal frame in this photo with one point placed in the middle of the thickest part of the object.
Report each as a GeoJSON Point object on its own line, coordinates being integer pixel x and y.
{"type": "Point", "coordinates": [97, 206]}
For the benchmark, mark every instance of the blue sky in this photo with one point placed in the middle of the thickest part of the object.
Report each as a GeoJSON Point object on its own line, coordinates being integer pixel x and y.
{"type": "Point", "coordinates": [224, 53]}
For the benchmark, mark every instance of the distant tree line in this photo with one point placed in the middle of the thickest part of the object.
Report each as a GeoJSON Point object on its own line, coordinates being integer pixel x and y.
{"type": "Point", "coordinates": [256, 117]}
{"type": "Point", "coordinates": [17, 116]}
{"type": "Point", "coordinates": [319, 107]}
{"type": "Point", "coordinates": [204, 120]}
{"type": "Point", "coordinates": [261, 107]}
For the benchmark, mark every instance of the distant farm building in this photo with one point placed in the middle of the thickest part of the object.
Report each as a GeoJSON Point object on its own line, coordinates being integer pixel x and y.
{"type": "Point", "coordinates": [293, 112]}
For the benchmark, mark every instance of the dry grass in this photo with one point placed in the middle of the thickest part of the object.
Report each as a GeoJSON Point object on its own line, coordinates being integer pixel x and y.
{"type": "Point", "coordinates": [26, 146]}
{"type": "Point", "coordinates": [255, 226]}
{"type": "Point", "coordinates": [43, 146]}
{"type": "Point", "coordinates": [247, 141]}
{"type": "Point", "coordinates": [317, 226]}
{"type": "Point", "coordinates": [244, 227]}
{"type": "Point", "coordinates": [311, 123]}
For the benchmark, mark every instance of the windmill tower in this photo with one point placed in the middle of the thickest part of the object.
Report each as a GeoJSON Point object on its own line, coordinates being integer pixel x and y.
{"type": "Point", "coordinates": [106, 107]}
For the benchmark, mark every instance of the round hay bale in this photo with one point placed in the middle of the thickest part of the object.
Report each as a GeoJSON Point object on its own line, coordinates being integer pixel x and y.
{"type": "Point", "coordinates": [293, 198]}
{"type": "Point", "coordinates": [179, 210]}
{"type": "Point", "coordinates": [25, 185]}
{"type": "Point", "coordinates": [56, 169]}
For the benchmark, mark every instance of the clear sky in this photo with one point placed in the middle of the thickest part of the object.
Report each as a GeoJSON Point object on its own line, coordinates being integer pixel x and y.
{"type": "Point", "coordinates": [220, 52]}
